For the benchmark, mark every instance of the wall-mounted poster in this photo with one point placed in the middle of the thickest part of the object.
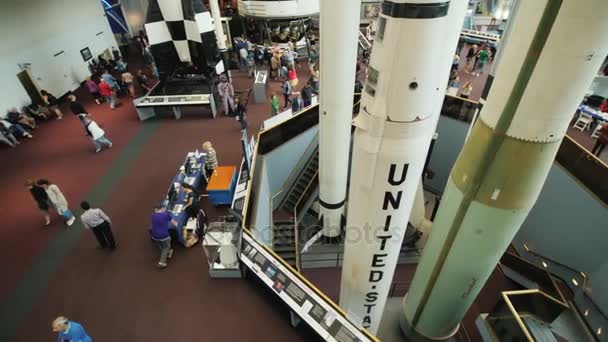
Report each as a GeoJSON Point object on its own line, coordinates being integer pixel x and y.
{"type": "Point", "coordinates": [370, 11]}
{"type": "Point", "coordinates": [86, 54]}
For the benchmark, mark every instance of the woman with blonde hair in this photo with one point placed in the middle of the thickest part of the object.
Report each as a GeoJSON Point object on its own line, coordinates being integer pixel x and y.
{"type": "Point", "coordinates": [58, 200]}
{"type": "Point", "coordinates": [211, 159]}
{"type": "Point", "coordinates": [466, 90]}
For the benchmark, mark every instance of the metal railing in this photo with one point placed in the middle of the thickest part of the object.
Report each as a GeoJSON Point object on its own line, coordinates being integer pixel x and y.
{"type": "Point", "coordinates": [589, 170]}
{"type": "Point", "coordinates": [272, 214]}
{"type": "Point", "coordinates": [296, 224]}
{"type": "Point", "coordinates": [574, 286]}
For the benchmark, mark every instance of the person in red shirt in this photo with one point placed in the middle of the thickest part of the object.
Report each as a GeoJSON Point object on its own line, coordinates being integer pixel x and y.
{"type": "Point", "coordinates": [106, 91]}
{"type": "Point", "coordinates": [292, 76]}
{"type": "Point", "coordinates": [604, 106]}
{"type": "Point", "coordinates": [602, 141]}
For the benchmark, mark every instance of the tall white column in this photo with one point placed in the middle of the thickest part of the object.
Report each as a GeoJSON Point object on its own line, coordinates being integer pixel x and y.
{"type": "Point", "coordinates": [339, 24]}
{"type": "Point", "coordinates": [217, 22]}
{"type": "Point", "coordinates": [554, 50]}
{"type": "Point", "coordinates": [408, 72]}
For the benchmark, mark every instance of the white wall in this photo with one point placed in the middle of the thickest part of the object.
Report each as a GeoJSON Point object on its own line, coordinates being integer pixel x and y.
{"type": "Point", "coordinates": [33, 31]}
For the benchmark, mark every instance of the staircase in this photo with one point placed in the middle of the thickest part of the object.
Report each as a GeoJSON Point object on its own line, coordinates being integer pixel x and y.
{"type": "Point", "coordinates": [283, 241]}
{"type": "Point", "coordinates": [330, 255]}
{"type": "Point", "coordinates": [302, 184]}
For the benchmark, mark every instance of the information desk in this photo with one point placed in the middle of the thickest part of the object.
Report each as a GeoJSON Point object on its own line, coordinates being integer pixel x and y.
{"type": "Point", "coordinates": [150, 106]}
{"type": "Point", "coordinates": [238, 201]}
{"type": "Point", "coordinates": [221, 185]}
{"type": "Point", "coordinates": [299, 296]}
{"type": "Point", "coordinates": [596, 114]}
{"type": "Point", "coordinates": [193, 178]}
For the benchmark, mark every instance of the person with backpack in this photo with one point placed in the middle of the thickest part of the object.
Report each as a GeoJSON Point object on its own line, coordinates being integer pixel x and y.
{"type": "Point", "coordinates": [287, 91]}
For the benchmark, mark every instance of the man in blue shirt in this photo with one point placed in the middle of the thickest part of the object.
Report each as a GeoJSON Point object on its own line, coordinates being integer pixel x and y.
{"type": "Point", "coordinates": [160, 233]}
{"type": "Point", "coordinates": [69, 331]}
{"type": "Point", "coordinates": [109, 79]}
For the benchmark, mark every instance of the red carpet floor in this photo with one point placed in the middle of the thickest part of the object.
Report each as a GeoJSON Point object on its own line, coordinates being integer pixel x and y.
{"type": "Point", "coordinates": [122, 295]}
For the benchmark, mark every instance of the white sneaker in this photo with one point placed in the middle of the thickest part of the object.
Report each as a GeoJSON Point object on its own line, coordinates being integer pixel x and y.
{"type": "Point", "coordinates": [110, 146]}
{"type": "Point", "coordinates": [97, 150]}
{"type": "Point", "coordinates": [70, 221]}
{"type": "Point", "coordinates": [170, 254]}
{"type": "Point", "coordinates": [161, 265]}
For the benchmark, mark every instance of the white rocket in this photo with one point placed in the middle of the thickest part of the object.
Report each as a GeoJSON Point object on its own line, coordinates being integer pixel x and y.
{"type": "Point", "coordinates": [408, 73]}
{"type": "Point", "coordinates": [217, 23]}
{"type": "Point", "coordinates": [339, 24]}
{"type": "Point", "coordinates": [554, 50]}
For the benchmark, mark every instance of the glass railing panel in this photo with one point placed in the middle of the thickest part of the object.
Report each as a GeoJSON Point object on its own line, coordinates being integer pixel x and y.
{"type": "Point", "coordinates": [505, 324]}
{"type": "Point", "coordinates": [589, 170]}
{"type": "Point", "coordinates": [534, 273]}
{"type": "Point", "coordinates": [538, 305]}
{"type": "Point", "coordinates": [459, 108]}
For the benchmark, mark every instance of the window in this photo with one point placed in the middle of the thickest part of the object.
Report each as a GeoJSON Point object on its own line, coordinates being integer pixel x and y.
{"type": "Point", "coordinates": [370, 90]}
{"type": "Point", "coordinates": [372, 75]}
{"type": "Point", "coordinates": [381, 28]}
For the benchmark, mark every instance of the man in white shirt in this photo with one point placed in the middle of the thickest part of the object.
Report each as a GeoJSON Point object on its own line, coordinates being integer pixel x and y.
{"type": "Point", "coordinates": [97, 134]}
{"type": "Point", "coordinates": [97, 221]}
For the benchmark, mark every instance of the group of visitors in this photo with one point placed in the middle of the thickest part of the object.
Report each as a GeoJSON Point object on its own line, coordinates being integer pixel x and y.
{"type": "Point", "coordinates": [17, 124]}
{"type": "Point", "coordinates": [481, 55]}
{"type": "Point", "coordinates": [48, 196]}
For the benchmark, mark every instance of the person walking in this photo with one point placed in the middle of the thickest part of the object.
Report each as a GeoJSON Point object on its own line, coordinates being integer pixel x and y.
{"type": "Point", "coordinates": [107, 91]}
{"type": "Point", "coordinates": [482, 58]}
{"type": "Point", "coordinates": [78, 109]}
{"type": "Point", "coordinates": [106, 76]}
{"type": "Point", "coordinates": [211, 159]}
{"type": "Point", "coordinates": [307, 94]}
{"type": "Point", "coordinates": [97, 134]}
{"type": "Point", "coordinates": [287, 91]}
{"type": "Point", "coordinates": [471, 53]}
{"type": "Point", "coordinates": [159, 232]}
{"type": "Point", "coordinates": [141, 80]}
{"type": "Point", "coordinates": [601, 142]}
{"type": "Point", "coordinates": [41, 198]}
{"type": "Point", "coordinates": [58, 200]}
{"type": "Point", "coordinates": [274, 104]}
{"type": "Point", "coordinates": [292, 76]}
{"type": "Point", "coordinates": [226, 91]}
{"type": "Point", "coordinates": [93, 89]}
{"type": "Point", "coordinates": [69, 331]}
{"type": "Point", "coordinates": [101, 225]}
{"type": "Point", "coordinates": [296, 103]}
{"type": "Point", "coordinates": [51, 103]}
{"type": "Point", "coordinates": [240, 111]}
{"type": "Point", "coordinates": [127, 79]}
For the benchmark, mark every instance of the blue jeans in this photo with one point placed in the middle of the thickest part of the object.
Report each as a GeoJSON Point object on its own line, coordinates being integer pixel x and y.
{"type": "Point", "coordinates": [165, 249]}
{"type": "Point", "coordinates": [112, 100]}
{"type": "Point", "coordinates": [67, 214]}
{"type": "Point", "coordinates": [17, 128]}
{"type": "Point", "coordinates": [102, 141]}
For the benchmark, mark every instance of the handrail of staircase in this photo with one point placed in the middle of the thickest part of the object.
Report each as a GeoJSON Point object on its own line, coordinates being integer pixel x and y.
{"type": "Point", "coordinates": [296, 223]}
{"type": "Point", "coordinates": [570, 268]}
{"type": "Point", "coordinates": [300, 170]}
{"type": "Point", "coordinates": [272, 214]}
{"type": "Point", "coordinates": [573, 270]}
